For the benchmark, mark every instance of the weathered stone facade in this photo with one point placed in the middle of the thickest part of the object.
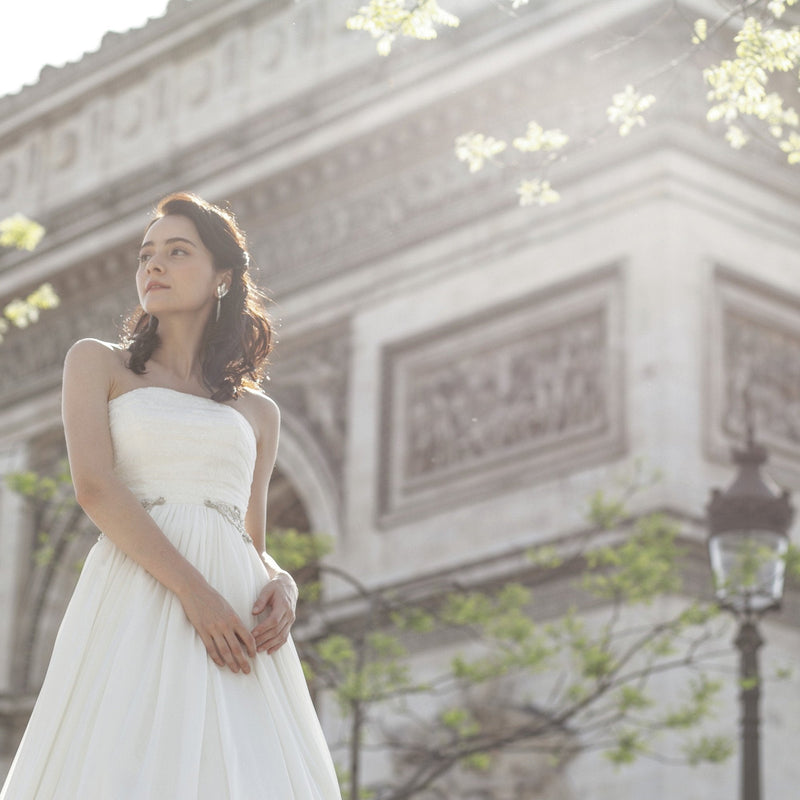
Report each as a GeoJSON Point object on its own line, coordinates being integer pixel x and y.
{"type": "Point", "coordinates": [469, 407]}
{"type": "Point", "coordinates": [456, 374]}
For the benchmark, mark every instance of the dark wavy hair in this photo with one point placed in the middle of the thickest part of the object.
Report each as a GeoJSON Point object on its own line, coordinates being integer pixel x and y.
{"type": "Point", "coordinates": [236, 347]}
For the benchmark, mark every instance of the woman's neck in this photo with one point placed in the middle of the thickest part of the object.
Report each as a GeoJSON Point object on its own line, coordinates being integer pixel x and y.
{"type": "Point", "coordinates": [180, 350]}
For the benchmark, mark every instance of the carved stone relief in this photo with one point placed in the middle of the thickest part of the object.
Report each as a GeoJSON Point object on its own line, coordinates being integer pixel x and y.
{"type": "Point", "coordinates": [330, 235]}
{"type": "Point", "coordinates": [531, 389]}
{"type": "Point", "coordinates": [31, 360]}
{"type": "Point", "coordinates": [755, 359]}
{"type": "Point", "coordinates": [310, 380]}
{"type": "Point", "coordinates": [129, 111]}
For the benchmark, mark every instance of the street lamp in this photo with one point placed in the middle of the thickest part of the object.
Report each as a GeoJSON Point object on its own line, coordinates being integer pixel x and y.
{"type": "Point", "coordinates": [748, 539]}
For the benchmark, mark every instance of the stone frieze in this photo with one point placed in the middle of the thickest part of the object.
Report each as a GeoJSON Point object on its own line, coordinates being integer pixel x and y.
{"type": "Point", "coordinates": [517, 395]}
{"type": "Point", "coordinates": [755, 367]}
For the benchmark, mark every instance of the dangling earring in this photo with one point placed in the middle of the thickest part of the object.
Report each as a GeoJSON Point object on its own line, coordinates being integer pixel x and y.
{"type": "Point", "coordinates": [222, 290]}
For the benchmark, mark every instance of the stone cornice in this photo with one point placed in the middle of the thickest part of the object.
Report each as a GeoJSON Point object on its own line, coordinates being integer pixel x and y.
{"type": "Point", "coordinates": [555, 587]}
{"type": "Point", "coordinates": [242, 68]}
{"type": "Point", "coordinates": [119, 55]}
{"type": "Point", "coordinates": [389, 157]}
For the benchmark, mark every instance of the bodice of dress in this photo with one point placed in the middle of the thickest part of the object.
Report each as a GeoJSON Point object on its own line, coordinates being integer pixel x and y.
{"type": "Point", "coordinates": [174, 447]}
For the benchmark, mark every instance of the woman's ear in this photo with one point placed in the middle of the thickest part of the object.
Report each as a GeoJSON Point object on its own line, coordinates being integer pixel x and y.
{"type": "Point", "coordinates": [225, 279]}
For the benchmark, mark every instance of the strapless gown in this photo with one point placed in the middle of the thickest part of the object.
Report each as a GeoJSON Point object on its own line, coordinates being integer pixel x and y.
{"type": "Point", "coordinates": [132, 707]}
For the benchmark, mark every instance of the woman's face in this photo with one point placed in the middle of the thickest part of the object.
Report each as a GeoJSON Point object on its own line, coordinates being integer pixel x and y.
{"type": "Point", "coordinates": [176, 272]}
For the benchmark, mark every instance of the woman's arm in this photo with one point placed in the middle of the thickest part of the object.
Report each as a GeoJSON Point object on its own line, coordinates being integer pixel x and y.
{"type": "Point", "coordinates": [280, 594]}
{"type": "Point", "coordinates": [89, 381]}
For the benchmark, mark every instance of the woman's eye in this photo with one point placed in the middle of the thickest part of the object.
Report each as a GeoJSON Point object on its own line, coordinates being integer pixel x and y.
{"type": "Point", "coordinates": [179, 251]}
{"type": "Point", "coordinates": [142, 257]}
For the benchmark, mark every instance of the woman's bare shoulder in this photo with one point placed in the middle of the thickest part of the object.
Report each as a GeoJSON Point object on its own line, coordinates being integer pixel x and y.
{"type": "Point", "coordinates": [94, 356]}
{"type": "Point", "coordinates": [96, 350]}
{"type": "Point", "coordinates": [262, 406]}
{"type": "Point", "coordinates": [262, 411]}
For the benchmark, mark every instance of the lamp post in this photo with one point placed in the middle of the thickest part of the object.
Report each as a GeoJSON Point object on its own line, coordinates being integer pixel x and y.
{"type": "Point", "coordinates": [748, 527]}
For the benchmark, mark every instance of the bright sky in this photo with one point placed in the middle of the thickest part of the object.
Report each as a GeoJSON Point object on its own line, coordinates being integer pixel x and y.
{"type": "Point", "coordinates": [38, 32]}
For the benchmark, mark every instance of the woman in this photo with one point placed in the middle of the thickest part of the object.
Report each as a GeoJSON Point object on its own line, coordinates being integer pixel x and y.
{"type": "Point", "coordinates": [173, 676]}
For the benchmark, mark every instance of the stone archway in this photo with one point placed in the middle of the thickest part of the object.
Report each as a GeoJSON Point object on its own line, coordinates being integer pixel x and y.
{"type": "Point", "coordinates": [303, 479]}
{"type": "Point", "coordinates": [58, 536]}
{"type": "Point", "coordinates": [285, 509]}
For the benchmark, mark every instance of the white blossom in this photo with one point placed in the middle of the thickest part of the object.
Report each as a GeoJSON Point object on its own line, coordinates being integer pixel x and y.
{"type": "Point", "coordinates": [386, 19]}
{"type": "Point", "coordinates": [20, 232]}
{"type": "Point", "coordinates": [626, 109]}
{"type": "Point", "coordinates": [44, 297]}
{"type": "Point", "coordinates": [537, 191]}
{"type": "Point", "coordinates": [778, 7]}
{"type": "Point", "coordinates": [738, 86]}
{"type": "Point", "coordinates": [700, 31]}
{"type": "Point", "coordinates": [736, 137]}
{"type": "Point", "coordinates": [791, 146]}
{"type": "Point", "coordinates": [536, 138]}
{"type": "Point", "coordinates": [476, 149]}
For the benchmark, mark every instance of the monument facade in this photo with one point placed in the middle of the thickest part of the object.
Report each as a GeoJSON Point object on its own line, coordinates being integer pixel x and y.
{"type": "Point", "coordinates": [456, 374]}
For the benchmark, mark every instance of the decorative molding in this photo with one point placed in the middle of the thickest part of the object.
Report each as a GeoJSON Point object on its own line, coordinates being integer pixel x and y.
{"type": "Point", "coordinates": [396, 211]}
{"type": "Point", "coordinates": [531, 390]}
{"type": "Point", "coordinates": [754, 347]}
{"type": "Point", "coordinates": [231, 97]}
{"type": "Point", "coordinates": [155, 109]}
{"type": "Point", "coordinates": [31, 360]}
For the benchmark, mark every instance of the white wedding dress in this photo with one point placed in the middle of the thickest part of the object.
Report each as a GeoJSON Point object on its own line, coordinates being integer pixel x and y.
{"type": "Point", "coordinates": [132, 707]}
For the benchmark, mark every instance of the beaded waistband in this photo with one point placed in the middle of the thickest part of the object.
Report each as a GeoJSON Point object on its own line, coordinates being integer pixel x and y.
{"type": "Point", "coordinates": [230, 512]}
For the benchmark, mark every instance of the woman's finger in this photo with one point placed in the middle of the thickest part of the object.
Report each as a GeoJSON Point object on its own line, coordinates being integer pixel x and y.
{"type": "Point", "coordinates": [274, 626]}
{"type": "Point", "coordinates": [276, 639]}
{"type": "Point", "coordinates": [232, 653]}
{"type": "Point", "coordinates": [213, 653]}
{"type": "Point", "coordinates": [245, 638]}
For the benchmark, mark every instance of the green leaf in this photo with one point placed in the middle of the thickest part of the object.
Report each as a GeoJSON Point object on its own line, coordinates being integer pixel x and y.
{"type": "Point", "coordinates": [471, 608]}
{"type": "Point", "coordinates": [604, 513]}
{"type": "Point", "coordinates": [703, 692]}
{"type": "Point", "coordinates": [697, 614]}
{"type": "Point", "coordinates": [710, 749]}
{"type": "Point", "coordinates": [639, 570]}
{"type": "Point", "coordinates": [545, 556]}
{"type": "Point", "coordinates": [385, 645]}
{"type": "Point", "coordinates": [460, 721]}
{"type": "Point", "coordinates": [294, 550]}
{"type": "Point", "coordinates": [308, 671]}
{"type": "Point", "coordinates": [337, 650]}
{"type": "Point", "coordinates": [631, 698]}
{"type": "Point", "coordinates": [478, 762]}
{"type": "Point", "coordinates": [596, 661]}
{"type": "Point", "coordinates": [513, 597]}
{"type": "Point", "coordinates": [792, 558]}
{"type": "Point", "coordinates": [413, 619]}
{"type": "Point", "coordinates": [629, 745]}
{"type": "Point", "coordinates": [513, 626]}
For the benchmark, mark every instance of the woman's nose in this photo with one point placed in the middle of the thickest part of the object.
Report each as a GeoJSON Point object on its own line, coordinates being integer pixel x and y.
{"type": "Point", "coordinates": [153, 264]}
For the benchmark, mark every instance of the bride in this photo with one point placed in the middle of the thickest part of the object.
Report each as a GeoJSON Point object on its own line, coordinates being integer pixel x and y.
{"type": "Point", "coordinates": [173, 674]}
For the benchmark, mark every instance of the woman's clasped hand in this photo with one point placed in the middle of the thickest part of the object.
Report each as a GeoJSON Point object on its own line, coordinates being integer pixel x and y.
{"type": "Point", "coordinates": [229, 642]}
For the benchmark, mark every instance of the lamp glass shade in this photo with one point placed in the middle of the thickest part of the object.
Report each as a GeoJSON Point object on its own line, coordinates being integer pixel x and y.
{"type": "Point", "coordinates": [749, 568]}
